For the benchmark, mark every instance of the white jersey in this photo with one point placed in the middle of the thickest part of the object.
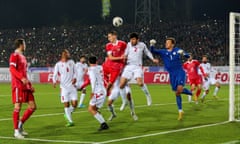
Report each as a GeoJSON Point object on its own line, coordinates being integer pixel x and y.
{"type": "Point", "coordinates": [207, 69]}
{"type": "Point", "coordinates": [135, 53]}
{"type": "Point", "coordinates": [81, 70]}
{"type": "Point", "coordinates": [96, 79]}
{"type": "Point", "coordinates": [67, 72]}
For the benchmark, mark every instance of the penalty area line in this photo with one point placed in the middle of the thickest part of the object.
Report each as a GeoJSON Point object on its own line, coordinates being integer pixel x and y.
{"type": "Point", "coordinates": [47, 140]}
{"type": "Point", "coordinates": [162, 133]}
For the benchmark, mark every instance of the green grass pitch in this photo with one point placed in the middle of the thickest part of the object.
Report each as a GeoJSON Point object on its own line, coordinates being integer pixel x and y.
{"type": "Point", "coordinates": [202, 123]}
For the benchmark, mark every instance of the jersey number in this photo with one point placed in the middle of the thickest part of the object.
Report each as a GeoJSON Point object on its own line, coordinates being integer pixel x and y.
{"type": "Point", "coordinates": [135, 49]}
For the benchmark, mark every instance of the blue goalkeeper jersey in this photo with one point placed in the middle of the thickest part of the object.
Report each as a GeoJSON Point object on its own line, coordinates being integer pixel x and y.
{"type": "Point", "coordinates": [171, 59]}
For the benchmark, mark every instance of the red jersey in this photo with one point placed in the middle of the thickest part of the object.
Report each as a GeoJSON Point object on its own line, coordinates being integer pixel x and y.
{"type": "Point", "coordinates": [191, 68]}
{"type": "Point", "coordinates": [18, 70]}
{"type": "Point", "coordinates": [116, 50]}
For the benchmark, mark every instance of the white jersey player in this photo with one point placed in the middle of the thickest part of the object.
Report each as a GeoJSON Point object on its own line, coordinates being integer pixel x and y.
{"type": "Point", "coordinates": [81, 67]}
{"type": "Point", "coordinates": [209, 80]}
{"type": "Point", "coordinates": [133, 69]}
{"type": "Point", "coordinates": [98, 91]}
{"type": "Point", "coordinates": [66, 69]}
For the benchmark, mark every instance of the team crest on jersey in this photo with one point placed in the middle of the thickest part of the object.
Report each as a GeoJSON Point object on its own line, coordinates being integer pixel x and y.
{"type": "Point", "coordinates": [174, 53]}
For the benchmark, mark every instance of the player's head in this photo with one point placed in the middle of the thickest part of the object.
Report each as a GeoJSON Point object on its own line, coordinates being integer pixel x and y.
{"type": "Point", "coordinates": [204, 59]}
{"type": "Point", "coordinates": [170, 42]}
{"type": "Point", "coordinates": [134, 38]}
{"type": "Point", "coordinates": [83, 59]}
{"type": "Point", "coordinates": [112, 36]}
{"type": "Point", "coordinates": [20, 44]}
{"type": "Point", "coordinates": [92, 60]}
{"type": "Point", "coordinates": [65, 54]}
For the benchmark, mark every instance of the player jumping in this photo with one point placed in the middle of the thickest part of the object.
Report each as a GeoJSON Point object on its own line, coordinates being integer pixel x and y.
{"type": "Point", "coordinates": [209, 79]}
{"type": "Point", "coordinates": [22, 90]}
{"type": "Point", "coordinates": [81, 67]}
{"type": "Point", "coordinates": [66, 69]}
{"type": "Point", "coordinates": [98, 91]}
{"type": "Point", "coordinates": [192, 66]}
{"type": "Point", "coordinates": [171, 57]}
{"type": "Point", "coordinates": [133, 68]}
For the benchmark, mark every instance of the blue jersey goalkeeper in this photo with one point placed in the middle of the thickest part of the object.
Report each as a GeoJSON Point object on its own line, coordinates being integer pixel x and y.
{"type": "Point", "coordinates": [171, 57]}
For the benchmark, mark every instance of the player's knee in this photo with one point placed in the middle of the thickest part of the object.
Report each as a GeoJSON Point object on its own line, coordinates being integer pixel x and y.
{"type": "Point", "coordinates": [84, 91]}
{"type": "Point", "coordinates": [110, 102]}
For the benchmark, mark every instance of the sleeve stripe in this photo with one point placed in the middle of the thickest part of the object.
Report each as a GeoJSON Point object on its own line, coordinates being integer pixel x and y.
{"type": "Point", "coordinates": [14, 64]}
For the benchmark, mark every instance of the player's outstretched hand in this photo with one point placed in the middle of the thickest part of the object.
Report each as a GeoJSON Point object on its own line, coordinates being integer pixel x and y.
{"type": "Point", "coordinates": [153, 42]}
{"type": "Point", "coordinates": [24, 81]}
{"type": "Point", "coordinates": [180, 51]}
{"type": "Point", "coordinates": [156, 61]}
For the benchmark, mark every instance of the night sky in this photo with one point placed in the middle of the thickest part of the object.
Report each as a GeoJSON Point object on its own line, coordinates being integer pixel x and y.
{"type": "Point", "coordinates": [28, 13]}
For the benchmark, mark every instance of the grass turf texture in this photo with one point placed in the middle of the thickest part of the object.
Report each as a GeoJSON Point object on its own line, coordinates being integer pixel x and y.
{"type": "Point", "coordinates": [159, 119]}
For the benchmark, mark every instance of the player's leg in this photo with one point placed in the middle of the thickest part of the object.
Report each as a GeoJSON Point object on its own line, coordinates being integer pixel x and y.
{"type": "Point", "coordinates": [131, 102]}
{"type": "Point", "coordinates": [114, 74]}
{"type": "Point", "coordinates": [138, 75]}
{"type": "Point", "coordinates": [205, 87]}
{"type": "Point", "coordinates": [82, 97]}
{"type": "Point", "coordinates": [95, 103]}
{"type": "Point", "coordinates": [113, 96]}
{"type": "Point", "coordinates": [217, 87]}
{"type": "Point", "coordinates": [28, 112]}
{"type": "Point", "coordinates": [16, 111]}
{"type": "Point", "coordinates": [65, 99]}
{"type": "Point", "coordinates": [126, 75]}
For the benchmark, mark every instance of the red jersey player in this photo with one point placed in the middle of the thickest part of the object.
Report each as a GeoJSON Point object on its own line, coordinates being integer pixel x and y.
{"type": "Point", "coordinates": [191, 66]}
{"type": "Point", "coordinates": [114, 62]}
{"type": "Point", "coordinates": [22, 90]}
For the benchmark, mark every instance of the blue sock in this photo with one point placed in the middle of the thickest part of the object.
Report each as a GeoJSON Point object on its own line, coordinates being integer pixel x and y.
{"type": "Point", "coordinates": [186, 91]}
{"type": "Point", "coordinates": [179, 102]}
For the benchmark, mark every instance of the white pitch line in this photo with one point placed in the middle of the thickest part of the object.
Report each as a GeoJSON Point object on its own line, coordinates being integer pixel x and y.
{"type": "Point", "coordinates": [46, 140]}
{"type": "Point", "coordinates": [162, 133]}
{"type": "Point", "coordinates": [232, 142]}
{"type": "Point", "coordinates": [139, 106]}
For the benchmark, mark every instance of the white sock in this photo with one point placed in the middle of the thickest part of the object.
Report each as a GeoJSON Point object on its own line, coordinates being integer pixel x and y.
{"type": "Point", "coordinates": [82, 97]}
{"type": "Point", "coordinates": [189, 98]}
{"type": "Point", "coordinates": [71, 109]}
{"type": "Point", "coordinates": [215, 91]}
{"type": "Point", "coordinates": [131, 105]}
{"type": "Point", "coordinates": [99, 118]}
{"type": "Point", "coordinates": [68, 114]}
{"type": "Point", "coordinates": [145, 90]}
{"type": "Point", "coordinates": [203, 95]}
{"type": "Point", "coordinates": [123, 95]}
{"type": "Point", "coordinates": [16, 131]}
{"type": "Point", "coordinates": [111, 109]}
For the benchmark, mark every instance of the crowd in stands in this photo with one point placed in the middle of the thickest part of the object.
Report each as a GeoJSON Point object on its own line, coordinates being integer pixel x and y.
{"type": "Point", "coordinates": [45, 44]}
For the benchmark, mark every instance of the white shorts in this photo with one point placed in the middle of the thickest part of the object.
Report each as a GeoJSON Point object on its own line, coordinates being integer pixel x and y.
{"type": "Point", "coordinates": [79, 84]}
{"type": "Point", "coordinates": [68, 95]}
{"type": "Point", "coordinates": [115, 92]}
{"type": "Point", "coordinates": [132, 71]}
{"type": "Point", "coordinates": [98, 99]}
{"type": "Point", "coordinates": [207, 83]}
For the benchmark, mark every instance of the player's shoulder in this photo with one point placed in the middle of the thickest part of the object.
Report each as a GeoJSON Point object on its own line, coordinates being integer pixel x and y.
{"type": "Point", "coordinates": [71, 61]}
{"type": "Point", "coordinates": [122, 42]}
{"type": "Point", "coordinates": [141, 43]}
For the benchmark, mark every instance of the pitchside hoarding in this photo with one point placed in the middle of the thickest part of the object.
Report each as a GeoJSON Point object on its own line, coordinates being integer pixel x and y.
{"type": "Point", "coordinates": [152, 75]}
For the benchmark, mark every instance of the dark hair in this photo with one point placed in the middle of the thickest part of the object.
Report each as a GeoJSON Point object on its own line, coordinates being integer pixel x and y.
{"type": "Point", "coordinates": [134, 35]}
{"type": "Point", "coordinates": [92, 59]}
{"type": "Point", "coordinates": [113, 33]}
{"type": "Point", "coordinates": [205, 56]}
{"type": "Point", "coordinates": [18, 42]}
{"type": "Point", "coordinates": [82, 56]}
{"type": "Point", "coordinates": [172, 39]}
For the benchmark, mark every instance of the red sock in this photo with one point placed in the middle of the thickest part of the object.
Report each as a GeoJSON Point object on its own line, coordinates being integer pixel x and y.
{"type": "Point", "coordinates": [28, 112]}
{"type": "Point", "coordinates": [198, 92]}
{"type": "Point", "coordinates": [15, 118]}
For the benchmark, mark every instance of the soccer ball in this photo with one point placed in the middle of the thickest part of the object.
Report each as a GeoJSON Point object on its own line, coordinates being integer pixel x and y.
{"type": "Point", "coordinates": [117, 21]}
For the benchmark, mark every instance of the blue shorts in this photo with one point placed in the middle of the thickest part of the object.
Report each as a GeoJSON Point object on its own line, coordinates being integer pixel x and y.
{"type": "Point", "coordinates": [177, 78]}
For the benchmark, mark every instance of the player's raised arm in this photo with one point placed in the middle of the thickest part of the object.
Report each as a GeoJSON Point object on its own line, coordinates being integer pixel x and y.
{"type": "Point", "coordinates": [152, 47]}
{"type": "Point", "coordinates": [182, 52]}
{"type": "Point", "coordinates": [149, 54]}
{"type": "Point", "coordinates": [74, 80]}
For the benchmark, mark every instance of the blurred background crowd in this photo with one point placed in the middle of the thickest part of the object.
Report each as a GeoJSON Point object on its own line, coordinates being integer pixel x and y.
{"type": "Point", "coordinates": [44, 44]}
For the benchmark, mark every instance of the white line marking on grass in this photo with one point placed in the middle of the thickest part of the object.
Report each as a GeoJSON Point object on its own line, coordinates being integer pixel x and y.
{"type": "Point", "coordinates": [139, 106]}
{"type": "Point", "coordinates": [232, 142]}
{"type": "Point", "coordinates": [47, 140]}
{"type": "Point", "coordinates": [162, 133]}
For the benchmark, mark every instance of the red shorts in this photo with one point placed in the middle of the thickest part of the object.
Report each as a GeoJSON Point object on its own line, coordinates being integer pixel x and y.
{"type": "Point", "coordinates": [21, 96]}
{"type": "Point", "coordinates": [195, 81]}
{"type": "Point", "coordinates": [110, 74]}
